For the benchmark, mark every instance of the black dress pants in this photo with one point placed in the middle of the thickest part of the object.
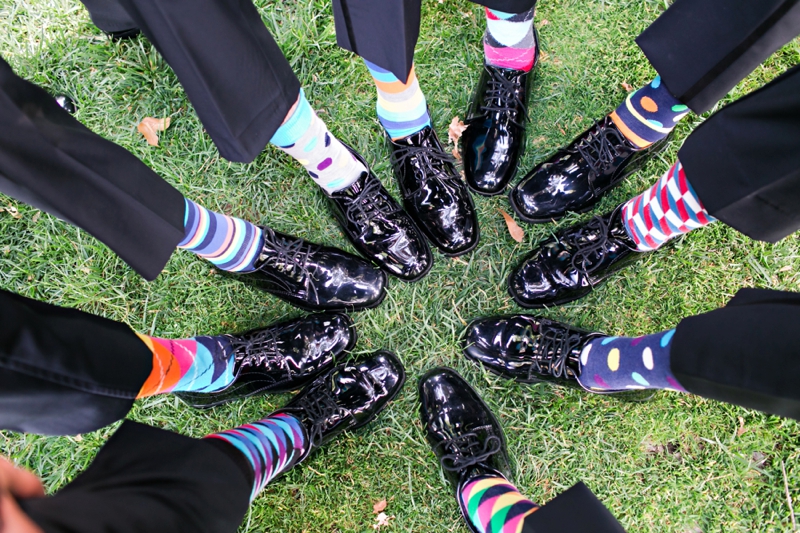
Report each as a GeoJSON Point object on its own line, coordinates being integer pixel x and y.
{"type": "Point", "coordinates": [576, 510]}
{"type": "Point", "coordinates": [149, 479]}
{"type": "Point", "coordinates": [385, 32]}
{"type": "Point", "coordinates": [63, 371]}
{"type": "Point", "coordinates": [53, 162]}
{"type": "Point", "coordinates": [231, 68]}
{"type": "Point", "coordinates": [746, 353]}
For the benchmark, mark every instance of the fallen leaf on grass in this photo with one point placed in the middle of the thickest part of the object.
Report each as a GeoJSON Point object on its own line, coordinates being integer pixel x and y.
{"type": "Point", "coordinates": [380, 506]}
{"type": "Point", "coordinates": [11, 210]}
{"type": "Point", "coordinates": [149, 127]}
{"type": "Point", "coordinates": [742, 429]}
{"type": "Point", "coordinates": [513, 228]}
{"type": "Point", "coordinates": [381, 520]}
{"type": "Point", "coordinates": [627, 86]}
{"type": "Point", "coordinates": [456, 153]}
{"type": "Point", "coordinates": [544, 23]}
{"type": "Point", "coordinates": [543, 56]}
{"type": "Point", "coordinates": [455, 130]}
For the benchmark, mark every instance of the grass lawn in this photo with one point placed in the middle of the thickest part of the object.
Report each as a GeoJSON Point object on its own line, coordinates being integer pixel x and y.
{"type": "Point", "coordinates": [678, 463]}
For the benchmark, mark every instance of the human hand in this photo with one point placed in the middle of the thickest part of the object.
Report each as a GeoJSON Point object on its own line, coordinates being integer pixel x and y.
{"type": "Point", "coordinates": [17, 483]}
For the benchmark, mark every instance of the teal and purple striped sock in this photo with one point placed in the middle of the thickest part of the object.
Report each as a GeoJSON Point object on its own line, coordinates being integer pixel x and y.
{"type": "Point", "coordinates": [230, 243]}
{"type": "Point", "coordinates": [271, 446]}
{"type": "Point", "coordinates": [625, 363]}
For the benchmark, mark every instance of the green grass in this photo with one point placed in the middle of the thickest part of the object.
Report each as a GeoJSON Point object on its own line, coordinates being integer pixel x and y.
{"type": "Point", "coordinates": [673, 464]}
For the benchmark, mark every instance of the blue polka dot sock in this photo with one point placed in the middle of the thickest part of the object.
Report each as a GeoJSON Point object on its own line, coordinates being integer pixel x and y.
{"type": "Point", "coordinates": [305, 137]}
{"type": "Point", "coordinates": [620, 363]}
{"type": "Point", "coordinates": [649, 114]}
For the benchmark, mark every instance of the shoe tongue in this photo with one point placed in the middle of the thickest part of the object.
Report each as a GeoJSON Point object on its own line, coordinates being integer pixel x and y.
{"type": "Point", "coordinates": [353, 190]}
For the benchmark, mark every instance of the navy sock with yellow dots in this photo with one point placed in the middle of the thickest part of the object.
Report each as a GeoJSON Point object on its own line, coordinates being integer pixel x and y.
{"type": "Point", "coordinates": [624, 363]}
{"type": "Point", "coordinates": [648, 114]}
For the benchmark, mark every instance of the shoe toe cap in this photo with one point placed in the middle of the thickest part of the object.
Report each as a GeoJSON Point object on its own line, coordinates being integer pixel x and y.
{"type": "Point", "coordinates": [530, 285]}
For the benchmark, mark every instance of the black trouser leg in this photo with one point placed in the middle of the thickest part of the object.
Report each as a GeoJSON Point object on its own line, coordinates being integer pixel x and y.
{"type": "Point", "coordinates": [703, 48]}
{"type": "Point", "coordinates": [228, 63]}
{"type": "Point", "coordinates": [576, 510]}
{"type": "Point", "coordinates": [51, 161]}
{"type": "Point", "coordinates": [149, 479]}
{"type": "Point", "coordinates": [746, 353]}
{"type": "Point", "coordinates": [744, 161]}
{"type": "Point", "coordinates": [63, 371]}
{"type": "Point", "coordinates": [386, 32]}
{"type": "Point", "coordinates": [109, 15]}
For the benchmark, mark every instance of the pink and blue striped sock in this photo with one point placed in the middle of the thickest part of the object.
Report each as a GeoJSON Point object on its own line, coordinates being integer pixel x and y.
{"type": "Point", "coordinates": [402, 108]}
{"type": "Point", "coordinates": [624, 363]}
{"type": "Point", "coordinates": [509, 41]}
{"type": "Point", "coordinates": [230, 243]}
{"type": "Point", "coordinates": [271, 446]}
{"type": "Point", "coordinates": [667, 209]}
{"type": "Point", "coordinates": [493, 505]}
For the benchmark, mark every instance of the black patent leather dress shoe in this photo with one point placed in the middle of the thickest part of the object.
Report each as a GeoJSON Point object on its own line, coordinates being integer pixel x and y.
{"type": "Point", "coordinates": [315, 277]}
{"type": "Point", "coordinates": [530, 349]}
{"type": "Point", "coordinates": [465, 436]}
{"type": "Point", "coordinates": [434, 194]}
{"type": "Point", "coordinates": [121, 35]}
{"type": "Point", "coordinates": [576, 177]}
{"type": "Point", "coordinates": [568, 266]}
{"type": "Point", "coordinates": [281, 358]}
{"type": "Point", "coordinates": [66, 103]}
{"type": "Point", "coordinates": [495, 136]}
{"type": "Point", "coordinates": [379, 228]}
{"type": "Point", "coordinates": [346, 397]}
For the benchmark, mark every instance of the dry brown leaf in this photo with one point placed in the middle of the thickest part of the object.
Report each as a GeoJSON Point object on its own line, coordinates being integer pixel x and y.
{"type": "Point", "coordinates": [35, 218]}
{"type": "Point", "coordinates": [456, 153]}
{"type": "Point", "coordinates": [149, 127]}
{"type": "Point", "coordinates": [455, 130]}
{"type": "Point", "coordinates": [627, 86]}
{"type": "Point", "coordinates": [11, 210]}
{"type": "Point", "coordinates": [381, 520]}
{"type": "Point", "coordinates": [543, 56]}
{"type": "Point", "coordinates": [742, 429]}
{"type": "Point", "coordinates": [513, 228]}
{"type": "Point", "coordinates": [544, 23]}
{"type": "Point", "coordinates": [380, 506]}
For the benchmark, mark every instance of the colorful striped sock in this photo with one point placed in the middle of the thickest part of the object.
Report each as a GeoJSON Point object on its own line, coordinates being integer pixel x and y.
{"type": "Point", "coordinates": [306, 138]}
{"type": "Point", "coordinates": [402, 108]}
{"type": "Point", "coordinates": [230, 243]}
{"type": "Point", "coordinates": [199, 364]}
{"type": "Point", "coordinates": [648, 114]}
{"type": "Point", "coordinates": [619, 363]}
{"type": "Point", "coordinates": [493, 505]}
{"type": "Point", "coordinates": [271, 446]}
{"type": "Point", "coordinates": [509, 41]}
{"type": "Point", "coordinates": [667, 209]}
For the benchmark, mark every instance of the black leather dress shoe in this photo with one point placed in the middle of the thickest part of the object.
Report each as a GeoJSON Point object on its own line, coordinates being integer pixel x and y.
{"type": "Point", "coordinates": [567, 267]}
{"type": "Point", "coordinates": [348, 396]}
{"type": "Point", "coordinates": [576, 177]}
{"type": "Point", "coordinates": [281, 358]}
{"type": "Point", "coordinates": [465, 436]}
{"type": "Point", "coordinates": [379, 228]}
{"type": "Point", "coordinates": [121, 35]}
{"type": "Point", "coordinates": [494, 139]}
{"type": "Point", "coordinates": [66, 103]}
{"type": "Point", "coordinates": [530, 349]}
{"type": "Point", "coordinates": [434, 194]}
{"type": "Point", "coordinates": [315, 277]}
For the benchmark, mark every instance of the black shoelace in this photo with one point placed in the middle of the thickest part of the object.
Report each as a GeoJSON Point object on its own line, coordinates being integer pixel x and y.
{"type": "Point", "coordinates": [430, 158]}
{"type": "Point", "coordinates": [319, 407]}
{"type": "Point", "coordinates": [366, 203]}
{"type": "Point", "coordinates": [259, 349]}
{"type": "Point", "coordinates": [551, 353]}
{"type": "Point", "coordinates": [502, 95]}
{"type": "Point", "coordinates": [289, 257]}
{"type": "Point", "coordinates": [591, 244]}
{"type": "Point", "coordinates": [467, 450]}
{"type": "Point", "coordinates": [599, 151]}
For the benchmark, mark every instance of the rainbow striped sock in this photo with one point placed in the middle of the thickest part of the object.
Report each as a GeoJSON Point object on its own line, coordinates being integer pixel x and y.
{"type": "Point", "coordinates": [306, 138]}
{"type": "Point", "coordinates": [648, 114]}
{"type": "Point", "coordinates": [402, 108]}
{"type": "Point", "coordinates": [230, 243]}
{"type": "Point", "coordinates": [493, 505]}
{"type": "Point", "coordinates": [620, 363]}
{"type": "Point", "coordinates": [271, 446]}
{"type": "Point", "coordinates": [667, 209]}
{"type": "Point", "coordinates": [509, 41]}
{"type": "Point", "coordinates": [199, 364]}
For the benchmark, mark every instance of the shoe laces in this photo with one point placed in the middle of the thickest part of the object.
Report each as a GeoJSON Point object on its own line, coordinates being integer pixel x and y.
{"type": "Point", "coordinates": [319, 406]}
{"type": "Point", "coordinates": [551, 353]}
{"type": "Point", "coordinates": [591, 243]}
{"type": "Point", "coordinates": [289, 257]}
{"type": "Point", "coordinates": [366, 203]}
{"type": "Point", "coordinates": [430, 158]}
{"type": "Point", "coordinates": [259, 349]}
{"type": "Point", "coordinates": [599, 151]}
{"type": "Point", "coordinates": [467, 450]}
{"type": "Point", "coordinates": [502, 92]}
